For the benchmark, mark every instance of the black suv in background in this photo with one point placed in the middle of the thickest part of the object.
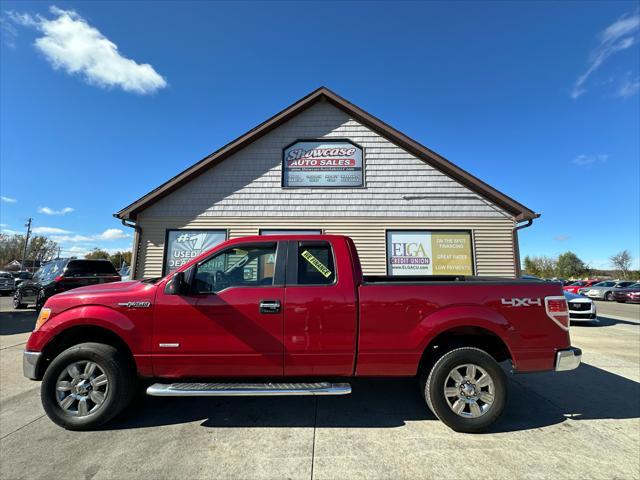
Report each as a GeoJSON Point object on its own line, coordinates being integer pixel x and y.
{"type": "Point", "coordinates": [62, 275]}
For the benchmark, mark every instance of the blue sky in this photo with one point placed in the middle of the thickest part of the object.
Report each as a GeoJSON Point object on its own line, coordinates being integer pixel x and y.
{"type": "Point", "coordinates": [538, 99]}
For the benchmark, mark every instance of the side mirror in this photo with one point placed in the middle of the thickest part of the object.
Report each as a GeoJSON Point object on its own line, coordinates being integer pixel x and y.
{"type": "Point", "coordinates": [177, 285]}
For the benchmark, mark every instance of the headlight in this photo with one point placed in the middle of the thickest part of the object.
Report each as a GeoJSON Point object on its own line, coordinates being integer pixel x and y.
{"type": "Point", "coordinates": [44, 315]}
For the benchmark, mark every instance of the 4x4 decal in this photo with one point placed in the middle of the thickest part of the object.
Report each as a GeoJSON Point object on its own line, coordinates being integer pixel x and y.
{"type": "Point", "coordinates": [521, 302]}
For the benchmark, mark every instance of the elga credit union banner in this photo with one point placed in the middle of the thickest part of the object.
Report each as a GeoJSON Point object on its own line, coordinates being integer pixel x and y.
{"type": "Point", "coordinates": [429, 253]}
{"type": "Point", "coordinates": [322, 164]}
{"type": "Point", "coordinates": [184, 245]}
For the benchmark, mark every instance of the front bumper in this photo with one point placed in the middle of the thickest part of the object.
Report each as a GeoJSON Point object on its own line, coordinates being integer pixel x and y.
{"type": "Point", "coordinates": [30, 364]}
{"type": "Point", "coordinates": [568, 359]}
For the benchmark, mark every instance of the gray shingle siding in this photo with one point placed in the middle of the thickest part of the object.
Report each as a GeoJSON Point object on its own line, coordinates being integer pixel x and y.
{"type": "Point", "coordinates": [397, 183]}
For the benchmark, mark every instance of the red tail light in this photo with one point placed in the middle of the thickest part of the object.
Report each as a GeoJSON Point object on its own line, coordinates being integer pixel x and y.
{"type": "Point", "coordinates": [58, 278]}
{"type": "Point", "coordinates": [557, 311]}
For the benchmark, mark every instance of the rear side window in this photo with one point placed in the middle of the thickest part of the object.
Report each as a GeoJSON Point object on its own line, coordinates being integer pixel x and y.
{"type": "Point", "coordinates": [315, 264]}
{"type": "Point", "coordinates": [80, 268]}
{"type": "Point", "coordinates": [5, 275]}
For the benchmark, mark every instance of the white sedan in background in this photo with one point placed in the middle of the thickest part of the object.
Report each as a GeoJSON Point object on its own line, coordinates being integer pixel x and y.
{"type": "Point", "coordinates": [581, 309]}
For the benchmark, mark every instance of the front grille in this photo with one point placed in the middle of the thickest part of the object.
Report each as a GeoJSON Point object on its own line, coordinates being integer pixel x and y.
{"type": "Point", "coordinates": [582, 316]}
{"type": "Point", "coordinates": [579, 306]}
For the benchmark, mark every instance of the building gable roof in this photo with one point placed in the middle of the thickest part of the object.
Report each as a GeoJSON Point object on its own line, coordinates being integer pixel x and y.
{"type": "Point", "coordinates": [519, 211]}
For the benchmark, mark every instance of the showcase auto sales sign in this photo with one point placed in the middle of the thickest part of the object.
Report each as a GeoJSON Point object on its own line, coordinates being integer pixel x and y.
{"type": "Point", "coordinates": [322, 164]}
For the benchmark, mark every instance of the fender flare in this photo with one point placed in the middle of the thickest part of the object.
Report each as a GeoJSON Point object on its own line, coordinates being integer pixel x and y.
{"type": "Point", "coordinates": [464, 316]}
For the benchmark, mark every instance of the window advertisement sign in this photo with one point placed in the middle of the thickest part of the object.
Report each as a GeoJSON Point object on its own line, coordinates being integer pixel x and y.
{"type": "Point", "coordinates": [323, 163]}
{"type": "Point", "coordinates": [184, 245]}
{"type": "Point", "coordinates": [429, 253]}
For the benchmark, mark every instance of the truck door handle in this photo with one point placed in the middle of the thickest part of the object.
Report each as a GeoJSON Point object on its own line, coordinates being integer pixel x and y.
{"type": "Point", "coordinates": [269, 306]}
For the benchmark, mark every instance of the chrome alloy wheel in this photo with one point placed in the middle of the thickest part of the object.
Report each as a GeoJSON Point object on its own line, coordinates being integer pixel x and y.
{"type": "Point", "coordinates": [469, 390]}
{"type": "Point", "coordinates": [81, 388]}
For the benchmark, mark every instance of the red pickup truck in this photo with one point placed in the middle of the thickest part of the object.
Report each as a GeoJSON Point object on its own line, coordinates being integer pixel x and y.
{"type": "Point", "coordinates": [293, 315]}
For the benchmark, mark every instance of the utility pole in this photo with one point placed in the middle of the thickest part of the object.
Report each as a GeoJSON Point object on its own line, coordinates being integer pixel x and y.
{"type": "Point", "coordinates": [26, 242]}
{"type": "Point", "coordinates": [58, 254]}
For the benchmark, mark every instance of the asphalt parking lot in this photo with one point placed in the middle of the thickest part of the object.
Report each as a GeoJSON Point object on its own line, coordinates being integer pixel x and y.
{"type": "Point", "coordinates": [579, 424]}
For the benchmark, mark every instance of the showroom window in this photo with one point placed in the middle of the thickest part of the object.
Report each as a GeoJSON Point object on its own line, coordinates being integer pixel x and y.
{"type": "Point", "coordinates": [429, 252]}
{"type": "Point", "coordinates": [182, 246]}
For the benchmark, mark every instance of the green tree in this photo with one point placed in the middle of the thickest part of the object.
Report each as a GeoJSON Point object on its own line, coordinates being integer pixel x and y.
{"type": "Point", "coordinates": [97, 254]}
{"type": "Point", "coordinates": [544, 267]}
{"type": "Point", "coordinates": [569, 265]}
{"type": "Point", "coordinates": [621, 262]}
{"type": "Point", "coordinates": [119, 258]}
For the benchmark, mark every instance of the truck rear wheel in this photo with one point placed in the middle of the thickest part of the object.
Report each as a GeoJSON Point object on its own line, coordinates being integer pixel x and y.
{"type": "Point", "coordinates": [87, 385]}
{"type": "Point", "coordinates": [466, 389]}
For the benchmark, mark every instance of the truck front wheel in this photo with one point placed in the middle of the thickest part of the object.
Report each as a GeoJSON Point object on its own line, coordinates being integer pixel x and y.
{"type": "Point", "coordinates": [87, 385]}
{"type": "Point", "coordinates": [466, 389]}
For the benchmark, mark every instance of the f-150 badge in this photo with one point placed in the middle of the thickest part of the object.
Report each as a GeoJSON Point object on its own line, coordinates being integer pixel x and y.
{"type": "Point", "coordinates": [135, 304]}
{"type": "Point", "coordinates": [521, 302]}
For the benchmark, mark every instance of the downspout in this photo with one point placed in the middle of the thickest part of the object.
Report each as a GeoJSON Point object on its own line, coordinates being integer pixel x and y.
{"type": "Point", "coordinates": [136, 239]}
{"type": "Point", "coordinates": [516, 246]}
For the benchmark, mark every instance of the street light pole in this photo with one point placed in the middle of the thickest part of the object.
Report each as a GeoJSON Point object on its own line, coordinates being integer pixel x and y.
{"type": "Point", "coordinates": [26, 242]}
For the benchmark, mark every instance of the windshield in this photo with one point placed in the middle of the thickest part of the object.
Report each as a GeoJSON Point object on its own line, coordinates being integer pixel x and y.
{"type": "Point", "coordinates": [79, 268]}
{"type": "Point", "coordinates": [604, 284]}
{"type": "Point", "coordinates": [5, 275]}
{"type": "Point", "coordinates": [576, 284]}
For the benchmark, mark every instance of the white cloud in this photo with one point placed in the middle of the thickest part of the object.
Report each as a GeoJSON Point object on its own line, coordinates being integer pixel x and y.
{"type": "Point", "coordinates": [618, 36]}
{"type": "Point", "coordinates": [112, 234]}
{"type": "Point", "coordinates": [8, 32]}
{"type": "Point", "coordinates": [8, 231]}
{"type": "Point", "coordinates": [8, 200]}
{"type": "Point", "coordinates": [561, 238]}
{"type": "Point", "coordinates": [50, 211]}
{"type": "Point", "coordinates": [589, 160]}
{"type": "Point", "coordinates": [629, 87]}
{"type": "Point", "coordinates": [109, 234]}
{"type": "Point", "coordinates": [70, 238]}
{"type": "Point", "coordinates": [49, 230]}
{"type": "Point", "coordinates": [71, 44]}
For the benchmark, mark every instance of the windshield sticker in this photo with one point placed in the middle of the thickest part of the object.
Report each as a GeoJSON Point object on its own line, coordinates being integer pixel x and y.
{"type": "Point", "coordinates": [317, 264]}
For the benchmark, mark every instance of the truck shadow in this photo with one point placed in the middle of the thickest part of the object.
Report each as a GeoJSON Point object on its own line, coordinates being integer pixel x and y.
{"type": "Point", "coordinates": [605, 322]}
{"type": "Point", "coordinates": [536, 400]}
{"type": "Point", "coordinates": [17, 321]}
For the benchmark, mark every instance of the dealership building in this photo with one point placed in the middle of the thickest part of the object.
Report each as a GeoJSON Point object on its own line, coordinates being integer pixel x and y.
{"type": "Point", "coordinates": [324, 165]}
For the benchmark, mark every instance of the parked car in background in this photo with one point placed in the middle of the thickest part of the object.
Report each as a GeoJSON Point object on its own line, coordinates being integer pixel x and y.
{"type": "Point", "coordinates": [21, 276]}
{"type": "Point", "coordinates": [604, 290]}
{"type": "Point", "coordinates": [574, 287]}
{"type": "Point", "coordinates": [630, 294]}
{"type": "Point", "coordinates": [62, 275]}
{"type": "Point", "coordinates": [125, 273]}
{"type": "Point", "coordinates": [581, 309]}
{"type": "Point", "coordinates": [7, 283]}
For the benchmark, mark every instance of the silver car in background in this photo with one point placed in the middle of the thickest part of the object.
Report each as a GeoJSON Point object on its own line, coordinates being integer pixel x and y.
{"type": "Point", "coordinates": [7, 283]}
{"type": "Point", "coordinates": [604, 290]}
{"type": "Point", "coordinates": [581, 309]}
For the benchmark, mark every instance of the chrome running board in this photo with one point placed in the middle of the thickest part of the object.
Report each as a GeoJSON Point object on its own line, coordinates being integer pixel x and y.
{"type": "Point", "coordinates": [246, 389]}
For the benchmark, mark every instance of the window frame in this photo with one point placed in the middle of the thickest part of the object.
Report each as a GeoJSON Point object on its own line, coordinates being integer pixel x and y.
{"type": "Point", "coordinates": [279, 268]}
{"type": "Point", "coordinates": [292, 266]}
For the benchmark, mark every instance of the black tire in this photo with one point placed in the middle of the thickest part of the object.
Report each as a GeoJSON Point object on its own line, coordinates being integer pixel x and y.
{"type": "Point", "coordinates": [434, 386]}
{"type": "Point", "coordinates": [40, 300]}
{"type": "Point", "coordinates": [17, 301]}
{"type": "Point", "coordinates": [121, 377]}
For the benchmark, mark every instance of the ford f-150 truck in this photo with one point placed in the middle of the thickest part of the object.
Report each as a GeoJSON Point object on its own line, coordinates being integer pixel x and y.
{"type": "Point", "coordinates": [293, 315]}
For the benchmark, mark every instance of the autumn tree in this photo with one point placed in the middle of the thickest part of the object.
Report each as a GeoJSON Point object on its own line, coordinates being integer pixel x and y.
{"type": "Point", "coordinates": [40, 248]}
{"type": "Point", "coordinates": [621, 262]}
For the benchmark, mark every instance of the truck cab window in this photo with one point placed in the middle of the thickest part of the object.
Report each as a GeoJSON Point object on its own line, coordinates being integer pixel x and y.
{"type": "Point", "coordinates": [240, 266]}
{"type": "Point", "coordinates": [315, 264]}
